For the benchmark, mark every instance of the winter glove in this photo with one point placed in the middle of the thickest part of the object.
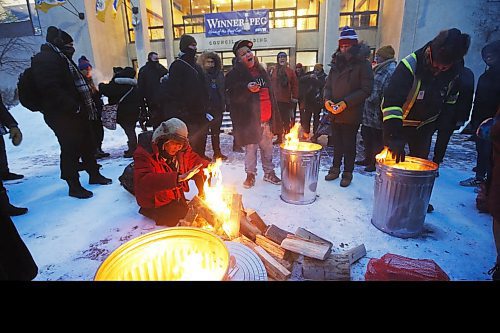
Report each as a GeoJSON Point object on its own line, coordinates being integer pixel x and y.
{"type": "Point", "coordinates": [16, 135]}
{"type": "Point", "coordinates": [397, 149]}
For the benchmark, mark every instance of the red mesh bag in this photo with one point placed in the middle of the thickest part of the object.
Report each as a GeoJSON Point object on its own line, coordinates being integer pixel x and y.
{"type": "Point", "coordinates": [392, 267]}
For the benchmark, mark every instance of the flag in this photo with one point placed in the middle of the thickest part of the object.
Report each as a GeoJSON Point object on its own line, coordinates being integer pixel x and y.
{"type": "Point", "coordinates": [100, 9]}
{"type": "Point", "coordinates": [116, 4]}
{"type": "Point", "coordinates": [45, 5]}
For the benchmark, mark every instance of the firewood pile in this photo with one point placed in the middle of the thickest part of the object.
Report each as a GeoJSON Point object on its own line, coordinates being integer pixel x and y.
{"type": "Point", "coordinates": [307, 255]}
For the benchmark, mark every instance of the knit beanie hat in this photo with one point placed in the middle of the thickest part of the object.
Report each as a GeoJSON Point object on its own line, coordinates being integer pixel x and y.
{"type": "Point", "coordinates": [281, 54]}
{"type": "Point", "coordinates": [83, 63]}
{"type": "Point", "coordinates": [57, 36]}
{"type": "Point", "coordinates": [348, 36]}
{"type": "Point", "coordinates": [186, 40]}
{"type": "Point", "coordinates": [173, 128]}
{"type": "Point", "coordinates": [386, 52]}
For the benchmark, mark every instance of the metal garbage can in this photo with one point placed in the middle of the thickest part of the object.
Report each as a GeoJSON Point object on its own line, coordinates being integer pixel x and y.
{"type": "Point", "coordinates": [299, 173]}
{"type": "Point", "coordinates": [401, 196]}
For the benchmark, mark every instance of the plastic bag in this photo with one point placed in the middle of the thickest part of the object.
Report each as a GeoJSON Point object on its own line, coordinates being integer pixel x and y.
{"type": "Point", "coordinates": [109, 115]}
{"type": "Point", "coordinates": [393, 267]}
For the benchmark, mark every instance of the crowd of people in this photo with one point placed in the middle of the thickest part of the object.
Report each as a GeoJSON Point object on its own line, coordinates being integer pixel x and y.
{"type": "Point", "coordinates": [396, 104]}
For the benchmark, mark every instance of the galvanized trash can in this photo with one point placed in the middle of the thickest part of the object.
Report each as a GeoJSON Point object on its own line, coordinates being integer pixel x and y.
{"type": "Point", "coordinates": [299, 173]}
{"type": "Point", "coordinates": [401, 195]}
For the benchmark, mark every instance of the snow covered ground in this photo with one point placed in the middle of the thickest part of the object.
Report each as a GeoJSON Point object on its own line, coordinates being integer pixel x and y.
{"type": "Point", "coordinates": [69, 238]}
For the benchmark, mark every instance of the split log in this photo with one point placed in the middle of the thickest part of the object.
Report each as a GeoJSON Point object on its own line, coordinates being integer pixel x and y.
{"type": "Point", "coordinates": [355, 254]}
{"type": "Point", "coordinates": [271, 247]}
{"type": "Point", "coordinates": [306, 234]}
{"type": "Point", "coordinates": [276, 234]}
{"type": "Point", "coordinates": [184, 223]}
{"type": "Point", "coordinates": [236, 212]}
{"type": "Point", "coordinates": [190, 215]}
{"type": "Point", "coordinates": [274, 269]}
{"type": "Point", "coordinates": [308, 248]}
{"type": "Point", "coordinates": [248, 229]}
{"type": "Point", "coordinates": [336, 268]}
{"type": "Point", "coordinates": [288, 264]}
{"type": "Point", "coordinates": [205, 212]}
{"type": "Point", "coordinates": [256, 220]}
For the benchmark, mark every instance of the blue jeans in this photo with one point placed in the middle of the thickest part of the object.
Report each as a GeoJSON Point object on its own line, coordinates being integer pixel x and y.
{"type": "Point", "coordinates": [266, 152]}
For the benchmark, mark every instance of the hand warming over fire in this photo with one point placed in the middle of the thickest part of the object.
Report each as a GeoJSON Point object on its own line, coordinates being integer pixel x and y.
{"type": "Point", "coordinates": [253, 87]}
{"type": "Point", "coordinates": [189, 174]}
{"type": "Point", "coordinates": [397, 149]}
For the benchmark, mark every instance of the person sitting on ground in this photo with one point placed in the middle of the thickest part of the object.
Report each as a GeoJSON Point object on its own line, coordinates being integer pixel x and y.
{"type": "Point", "coordinates": [161, 175]}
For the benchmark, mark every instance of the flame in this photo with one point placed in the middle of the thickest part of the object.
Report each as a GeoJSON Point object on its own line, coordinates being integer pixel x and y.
{"type": "Point", "coordinates": [385, 157]}
{"type": "Point", "coordinates": [382, 156]}
{"type": "Point", "coordinates": [292, 138]}
{"type": "Point", "coordinates": [217, 198]}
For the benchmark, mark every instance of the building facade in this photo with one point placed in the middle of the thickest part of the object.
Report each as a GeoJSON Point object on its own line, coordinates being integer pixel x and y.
{"type": "Point", "coordinates": [307, 30]}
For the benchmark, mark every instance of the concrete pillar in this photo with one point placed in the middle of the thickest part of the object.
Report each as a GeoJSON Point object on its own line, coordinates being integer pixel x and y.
{"type": "Point", "coordinates": [142, 44]}
{"type": "Point", "coordinates": [331, 38]}
{"type": "Point", "coordinates": [321, 32]}
{"type": "Point", "coordinates": [166, 10]}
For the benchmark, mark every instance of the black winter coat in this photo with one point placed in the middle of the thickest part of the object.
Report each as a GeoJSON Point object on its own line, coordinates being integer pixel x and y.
{"type": "Point", "coordinates": [149, 81]}
{"type": "Point", "coordinates": [54, 79]}
{"type": "Point", "coordinates": [458, 108]}
{"type": "Point", "coordinates": [245, 106]}
{"type": "Point", "coordinates": [350, 81]}
{"type": "Point", "coordinates": [184, 94]}
{"type": "Point", "coordinates": [129, 109]}
{"type": "Point", "coordinates": [487, 96]}
{"type": "Point", "coordinates": [6, 119]}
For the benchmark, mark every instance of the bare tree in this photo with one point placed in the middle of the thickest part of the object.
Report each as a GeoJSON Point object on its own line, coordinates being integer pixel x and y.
{"type": "Point", "coordinates": [15, 52]}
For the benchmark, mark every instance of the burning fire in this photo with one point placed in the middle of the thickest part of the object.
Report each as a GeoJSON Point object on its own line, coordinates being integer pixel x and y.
{"type": "Point", "coordinates": [216, 197]}
{"type": "Point", "coordinates": [292, 141]}
{"type": "Point", "coordinates": [410, 163]}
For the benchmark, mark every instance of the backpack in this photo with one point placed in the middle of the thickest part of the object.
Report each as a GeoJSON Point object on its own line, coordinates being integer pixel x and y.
{"type": "Point", "coordinates": [29, 96]}
{"type": "Point", "coordinates": [127, 178]}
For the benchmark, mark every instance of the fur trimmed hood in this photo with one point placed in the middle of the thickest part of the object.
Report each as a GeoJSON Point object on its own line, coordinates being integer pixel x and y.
{"type": "Point", "coordinates": [212, 55]}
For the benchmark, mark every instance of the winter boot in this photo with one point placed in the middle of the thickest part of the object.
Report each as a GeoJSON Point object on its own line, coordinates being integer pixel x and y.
{"type": "Point", "coordinates": [346, 179]}
{"type": "Point", "coordinates": [98, 179]}
{"type": "Point", "coordinates": [272, 178]}
{"type": "Point", "coordinates": [370, 168]}
{"type": "Point", "coordinates": [77, 191]}
{"type": "Point", "coordinates": [216, 147]}
{"type": "Point", "coordinates": [100, 153]}
{"type": "Point", "coordinates": [334, 173]}
{"type": "Point", "coordinates": [10, 176]}
{"type": "Point", "coordinates": [7, 207]}
{"type": "Point", "coordinates": [364, 162]}
{"type": "Point", "coordinates": [250, 181]}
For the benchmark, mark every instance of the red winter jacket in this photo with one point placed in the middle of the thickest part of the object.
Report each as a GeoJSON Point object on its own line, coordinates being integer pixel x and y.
{"type": "Point", "coordinates": [155, 183]}
{"type": "Point", "coordinates": [285, 94]}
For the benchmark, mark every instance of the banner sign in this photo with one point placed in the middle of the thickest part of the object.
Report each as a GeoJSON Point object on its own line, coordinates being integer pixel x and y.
{"type": "Point", "coordinates": [244, 22]}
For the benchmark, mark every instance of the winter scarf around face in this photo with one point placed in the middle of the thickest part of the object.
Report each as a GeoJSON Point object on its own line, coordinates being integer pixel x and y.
{"type": "Point", "coordinates": [80, 83]}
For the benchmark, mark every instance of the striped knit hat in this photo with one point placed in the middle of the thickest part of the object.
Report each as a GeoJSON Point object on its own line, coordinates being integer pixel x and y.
{"type": "Point", "coordinates": [348, 36]}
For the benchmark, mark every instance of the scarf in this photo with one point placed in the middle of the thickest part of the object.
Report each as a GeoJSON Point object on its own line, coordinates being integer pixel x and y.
{"type": "Point", "coordinates": [80, 83]}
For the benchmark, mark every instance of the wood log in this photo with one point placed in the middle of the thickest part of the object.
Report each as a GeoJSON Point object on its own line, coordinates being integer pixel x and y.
{"type": "Point", "coordinates": [248, 229]}
{"type": "Point", "coordinates": [205, 212]}
{"type": "Point", "coordinates": [355, 254]}
{"type": "Point", "coordinates": [334, 268]}
{"type": "Point", "coordinates": [308, 248]}
{"type": "Point", "coordinates": [190, 215]}
{"type": "Point", "coordinates": [184, 223]}
{"type": "Point", "coordinates": [271, 247]}
{"type": "Point", "coordinates": [274, 269]}
{"type": "Point", "coordinates": [236, 212]}
{"type": "Point", "coordinates": [256, 220]}
{"type": "Point", "coordinates": [306, 234]}
{"type": "Point", "coordinates": [276, 234]}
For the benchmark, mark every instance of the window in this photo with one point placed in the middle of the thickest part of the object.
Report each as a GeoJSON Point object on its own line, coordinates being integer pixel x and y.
{"type": "Point", "coordinates": [359, 13]}
{"type": "Point", "coordinates": [308, 59]}
{"type": "Point", "coordinates": [19, 18]}
{"type": "Point", "coordinates": [155, 20]}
